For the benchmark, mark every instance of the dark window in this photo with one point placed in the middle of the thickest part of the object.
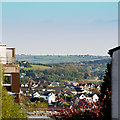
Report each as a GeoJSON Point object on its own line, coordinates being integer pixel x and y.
{"type": "Point", "coordinates": [7, 80]}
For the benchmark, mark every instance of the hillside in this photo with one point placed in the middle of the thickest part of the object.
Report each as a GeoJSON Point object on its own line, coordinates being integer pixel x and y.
{"type": "Point", "coordinates": [37, 67]}
{"type": "Point", "coordinates": [47, 59]}
{"type": "Point", "coordinates": [70, 71]}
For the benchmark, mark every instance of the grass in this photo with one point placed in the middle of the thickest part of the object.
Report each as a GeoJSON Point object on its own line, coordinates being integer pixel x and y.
{"type": "Point", "coordinates": [37, 67]}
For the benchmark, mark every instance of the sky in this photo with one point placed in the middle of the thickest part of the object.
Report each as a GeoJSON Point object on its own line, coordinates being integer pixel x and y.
{"type": "Point", "coordinates": [60, 28]}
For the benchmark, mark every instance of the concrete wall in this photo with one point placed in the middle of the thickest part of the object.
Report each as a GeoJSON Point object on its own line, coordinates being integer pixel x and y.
{"type": "Point", "coordinates": [115, 85]}
{"type": "Point", "coordinates": [119, 84]}
{"type": "Point", "coordinates": [10, 54]}
{"type": "Point", "coordinates": [11, 68]}
{"type": "Point", "coordinates": [7, 55]}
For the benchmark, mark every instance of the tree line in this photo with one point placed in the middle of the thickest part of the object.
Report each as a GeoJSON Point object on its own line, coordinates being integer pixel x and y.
{"type": "Point", "coordinates": [71, 71]}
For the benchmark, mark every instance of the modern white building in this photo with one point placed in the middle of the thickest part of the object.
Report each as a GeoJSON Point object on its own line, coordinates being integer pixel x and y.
{"type": "Point", "coordinates": [11, 70]}
{"type": "Point", "coordinates": [7, 55]}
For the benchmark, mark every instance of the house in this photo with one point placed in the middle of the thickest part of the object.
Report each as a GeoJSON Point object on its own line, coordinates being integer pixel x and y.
{"type": "Point", "coordinates": [72, 83]}
{"type": "Point", "coordinates": [92, 97]}
{"type": "Point", "coordinates": [75, 83]}
{"type": "Point", "coordinates": [69, 86]}
{"type": "Point", "coordinates": [54, 84]}
{"type": "Point", "coordinates": [85, 91]}
{"type": "Point", "coordinates": [34, 85]}
{"type": "Point", "coordinates": [48, 96]}
{"type": "Point", "coordinates": [11, 70]}
{"type": "Point", "coordinates": [25, 91]}
{"type": "Point", "coordinates": [39, 88]}
{"type": "Point", "coordinates": [89, 97]}
{"type": "Point", "coordinates": [56, 89]}
{"type": "Point", "coordinates": [36, 94]}
{"type": "Point", "coordinates": [51, 98]}
{"type": "Point", "coordinates": [22, 85]}
{"type": "Point", "coordinates": [95, 98]}
{"type": "Point", "coordinates": [79, 90]}
{"type": "Point", "coordinates": [26, 85]}
{"type": "Point", "coordinates": [115, 75]}
{"type": "Point", "coordinates": [73, 91]}
{"type": "Point", "coordinates": [82, 96]}
{"type": "Point", "coordinates": [44, 94]}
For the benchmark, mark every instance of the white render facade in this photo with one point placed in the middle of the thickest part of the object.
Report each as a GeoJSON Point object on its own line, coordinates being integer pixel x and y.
{"type": "Point", "coordinates": [115, 54]}
{"type": "Point", "coordinates": [7, 55]}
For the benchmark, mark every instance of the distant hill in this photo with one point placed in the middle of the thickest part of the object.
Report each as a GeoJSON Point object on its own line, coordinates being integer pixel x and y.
{"type": "Point", "coordinates": [83, 71]}
{"type": "Point", "coordinates": [47, 59]}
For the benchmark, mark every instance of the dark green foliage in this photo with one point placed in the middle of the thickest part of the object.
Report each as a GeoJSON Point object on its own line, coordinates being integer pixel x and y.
{"type": "Point", "coordinates": [24, 63]}
{"type": "Point", "coordinates": [35, 99]}
{"type": "Point", "coordinates": [106, 93]}
{"type": "Point", "coordinates": [48, 65]}
{"type": "Point", "coordinates": [30, 73]}
{"type": "Point", "coordinates": [107, 80]}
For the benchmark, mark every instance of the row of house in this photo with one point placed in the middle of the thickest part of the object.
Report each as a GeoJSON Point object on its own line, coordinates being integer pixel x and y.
{"type": "Point", "coordinates": [37, 90]}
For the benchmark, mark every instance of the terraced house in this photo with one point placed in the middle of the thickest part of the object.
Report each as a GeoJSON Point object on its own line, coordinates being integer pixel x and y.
{"type": "Point", "coordinates": [11, 71]}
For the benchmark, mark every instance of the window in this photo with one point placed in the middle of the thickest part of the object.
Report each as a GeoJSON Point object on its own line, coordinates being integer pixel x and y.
{"type": "Point", "coordinates": [7, 79]}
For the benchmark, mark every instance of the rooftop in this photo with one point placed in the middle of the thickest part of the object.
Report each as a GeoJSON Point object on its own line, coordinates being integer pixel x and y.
{"type": "Point", "coordinates": [110, 52]}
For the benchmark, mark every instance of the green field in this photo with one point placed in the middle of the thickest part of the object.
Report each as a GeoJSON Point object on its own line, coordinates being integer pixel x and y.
{"type": "Point", "coordinates": [37, 67]}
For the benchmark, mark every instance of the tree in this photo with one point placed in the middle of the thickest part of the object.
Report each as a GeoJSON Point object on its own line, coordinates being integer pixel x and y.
{"type": "Point", "coordinates": [105, 93]}
{"type": "Point", "coordinates": [107, 80]}
{"type": "Point", "coordinates": [10, 109]}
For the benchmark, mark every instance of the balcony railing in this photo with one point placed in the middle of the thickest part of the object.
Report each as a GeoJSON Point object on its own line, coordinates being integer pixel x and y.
{"type": "Point", "coordinates": [8, 60]}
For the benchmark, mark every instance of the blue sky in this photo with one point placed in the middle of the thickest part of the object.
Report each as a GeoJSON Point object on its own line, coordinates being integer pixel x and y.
{"type": "Point", "coordinates": [60, 27]}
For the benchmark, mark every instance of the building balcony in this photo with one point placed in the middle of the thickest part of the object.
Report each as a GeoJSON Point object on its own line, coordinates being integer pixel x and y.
{"type": "Point", "coordinates": [8, 60]}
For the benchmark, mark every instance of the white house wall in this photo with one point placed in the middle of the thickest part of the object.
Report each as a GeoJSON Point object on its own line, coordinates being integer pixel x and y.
{"type": "Point", "coordinates": [36, 94]}
{"type": "Point", "coordinates": [95, 98]}
{"type": "Point", "coordinates": [51, 98]}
